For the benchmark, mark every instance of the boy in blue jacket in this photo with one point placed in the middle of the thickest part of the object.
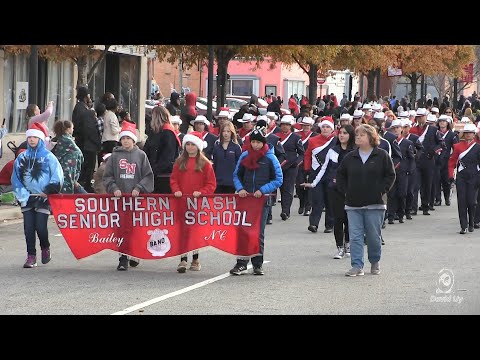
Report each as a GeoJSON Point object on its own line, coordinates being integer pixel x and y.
{"type": "Point", "coordinates": [257, 172]}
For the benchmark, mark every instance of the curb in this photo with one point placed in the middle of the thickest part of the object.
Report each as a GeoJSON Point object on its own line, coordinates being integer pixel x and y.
{"type": "Point", "coordinates": [10, 213]}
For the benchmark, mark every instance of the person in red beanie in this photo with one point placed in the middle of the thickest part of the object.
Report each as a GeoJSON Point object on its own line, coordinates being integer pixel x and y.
{"type": "Point", "coordinates": [192, 174]}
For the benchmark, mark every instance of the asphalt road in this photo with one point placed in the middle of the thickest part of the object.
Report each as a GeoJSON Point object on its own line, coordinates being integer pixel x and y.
{"type": "Point", "coordinates": [301, 276]}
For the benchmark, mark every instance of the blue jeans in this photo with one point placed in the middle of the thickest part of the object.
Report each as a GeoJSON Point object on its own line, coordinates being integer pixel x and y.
{"type": "Point", "coordinates": [35, 222]}
{"type": "Point", "coordinates": [257, 261]}
{"type": "Point", "coordinates": [366, 222]}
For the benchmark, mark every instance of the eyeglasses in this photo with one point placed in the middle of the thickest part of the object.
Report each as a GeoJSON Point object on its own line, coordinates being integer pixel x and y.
{"type": "Point", "coordinates": [448, 112]}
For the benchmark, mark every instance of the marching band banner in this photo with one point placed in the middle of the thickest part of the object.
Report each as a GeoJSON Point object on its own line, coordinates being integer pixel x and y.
{"type": "Point", "coordinates": [157, 226]}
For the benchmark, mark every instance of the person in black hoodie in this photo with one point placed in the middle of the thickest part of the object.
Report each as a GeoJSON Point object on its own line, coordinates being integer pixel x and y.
{"type": "Point", "coordinates": [162, 148]}
{"type": "Point", "coordinates": [174, 105]}
{"type": "Point", "coordinates": [365, 176]}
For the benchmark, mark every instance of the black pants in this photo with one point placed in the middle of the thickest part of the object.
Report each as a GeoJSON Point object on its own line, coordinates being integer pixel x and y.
{"type": "Point", "coordinates": [467, 187]}
{"type": "Point", "coordinates": [397, 196]}
{"type": "Point", "coordinates": [88, 167]}
{"type": "Point", "coordinates": [425, 178]}
{"type": "Point", "coordinates": [286, 190]}
{"type": "Point", "coordinates": [411, 205]}
{"type": "Point", "coordinates": [225, 189]}
{"type": "Point", "coordinates": [442, 183]}
{"type": "Point", "coordinates": [35, 222]}
{"type": "Point", "coordinates": [304, 194]}
{"type": "Point", "coordinates": [477, 210]}
{"type": "Point", "coordinates": [435, 184]}
{"type": "Point", "coordinates": [340, 226]}
{"type": "Point", "coordinates": [319, 201]}
{"type": "Point", "coordinates": [162, 185]}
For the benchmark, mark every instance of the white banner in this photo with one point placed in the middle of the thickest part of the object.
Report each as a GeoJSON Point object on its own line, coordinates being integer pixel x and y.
{"type": "Point", "coordinates": [21, 101]}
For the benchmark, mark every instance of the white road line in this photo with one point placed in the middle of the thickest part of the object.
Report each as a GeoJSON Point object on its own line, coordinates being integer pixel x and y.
{"type": "Point", "coordinates": [175, 293]}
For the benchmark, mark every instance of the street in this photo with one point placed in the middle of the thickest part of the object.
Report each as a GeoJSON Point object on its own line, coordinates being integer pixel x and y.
{"type": "Point", "coordinates": [301, 276]}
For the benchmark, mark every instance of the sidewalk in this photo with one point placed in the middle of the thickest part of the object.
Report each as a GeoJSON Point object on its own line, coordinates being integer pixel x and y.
{"type": "Point", "coordinates": [9, 212]}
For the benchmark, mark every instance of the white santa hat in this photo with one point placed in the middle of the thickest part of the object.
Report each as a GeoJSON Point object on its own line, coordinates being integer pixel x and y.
{"type": "Point", "coordinates": [129, 129]}
{"type": "Point", "coordinates": [195, 138]}
{"type": "Point", "coordinates": [327, 120]}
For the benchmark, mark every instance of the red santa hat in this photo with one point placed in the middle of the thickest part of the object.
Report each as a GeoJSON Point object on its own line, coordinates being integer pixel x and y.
{"type": "Point", "coordinates": [327, 120]}
{"type": "Point", "coordinates": [129, 129]}
{"type": "Point", "coordinates": [195, 138]}
{"type": "Point", "coordinates": [38, 130]}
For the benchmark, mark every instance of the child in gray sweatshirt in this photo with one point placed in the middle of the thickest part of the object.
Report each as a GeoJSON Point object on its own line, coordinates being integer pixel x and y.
{"type": "Point", "coordinates": [128, 170]}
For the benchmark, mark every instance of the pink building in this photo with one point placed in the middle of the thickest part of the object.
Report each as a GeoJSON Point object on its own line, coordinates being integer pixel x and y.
{"type": "Point", "coordinates": [245, 80]}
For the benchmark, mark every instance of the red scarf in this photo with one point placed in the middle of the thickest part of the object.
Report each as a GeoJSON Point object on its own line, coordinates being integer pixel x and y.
{"type": "Point", "coordinates": [250, 161]}
{"type": "Point", "coordinates": [283, 135]}
{"type": "Point", "coordinates": [305, 134]}
{"type": "Point", "coordinates": [169, 127]}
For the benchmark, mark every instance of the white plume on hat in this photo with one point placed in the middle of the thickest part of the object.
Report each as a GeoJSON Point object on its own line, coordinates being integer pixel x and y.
{"type": "Point", "coordinates": [307, 120]}
{"type": "Point", "coordinates": [445, 118]}
{"type": "Point", "coordinates": [421, 112]}
{"type": "Point", "coordinates": [176, 120]}
{"type": "Point", "coordinates": [247, 117]}
{"type": "Point", "coordinates": [465, 120]}
{"type": "Point", "coordinates": [396, 123]}
{"type": "Point", "coordinates": [470, 128]}
{"type": "Point", "coordinates": [287, 119]}
{"type": "Point", "coordinates": [357, 114]}
{"type": "Point", "coordinates": [200, 118]}
{"type": "Point", "coordinates": [272, 115]}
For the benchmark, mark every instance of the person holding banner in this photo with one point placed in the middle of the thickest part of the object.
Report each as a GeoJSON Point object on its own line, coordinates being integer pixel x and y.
{"type": "Point", "coordinates": [258, 172]}
{"type": "Point", "coordinates": [466, 160]}
{"type": "Point", "coordinates": [36, 174]}
{"type": "Point", "coordinates": [128, 171]}
{"type": "Point", "coordinates": [192, 174]}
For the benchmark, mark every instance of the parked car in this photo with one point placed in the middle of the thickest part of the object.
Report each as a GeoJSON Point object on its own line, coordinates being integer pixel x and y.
{"type": "Point", "coordinates": [202, 106]}
{"type": "Point", "coordinates": [262, 104]}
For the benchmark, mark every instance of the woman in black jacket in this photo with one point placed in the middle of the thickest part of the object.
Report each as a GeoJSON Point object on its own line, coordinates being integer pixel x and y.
{"type": "Point", "coordinates": [365, 176]}
{"type": "Point", "coordinates": [162, 149]}
{"type": "Point", "coordinates": [328, 172]}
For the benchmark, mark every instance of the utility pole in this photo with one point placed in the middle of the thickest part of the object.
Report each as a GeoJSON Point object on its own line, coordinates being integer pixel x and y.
{"type": "Point", "coordinates": [33, 77]}
{"type": "Point", "coordinates": [210, 82]}
{"type": "Point", "coordinates": [180, 68]}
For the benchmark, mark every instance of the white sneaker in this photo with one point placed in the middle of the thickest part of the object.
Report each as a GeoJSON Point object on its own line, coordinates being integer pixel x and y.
{"type": "Point", "coordinates": [340, 253]}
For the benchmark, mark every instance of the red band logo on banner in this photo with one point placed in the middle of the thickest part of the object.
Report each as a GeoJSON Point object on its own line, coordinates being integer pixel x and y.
{"type": "Point", "coordinates": [158, 226]}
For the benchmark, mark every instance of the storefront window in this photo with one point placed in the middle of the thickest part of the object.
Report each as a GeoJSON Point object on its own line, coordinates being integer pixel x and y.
{"type": "Point", "coordinates": [129, 80]}
{"type": "Point", "coordinates": [60, 90]}
{"type": "Point", "coordinates": [15, 70]}
{"type": "Point", "coordinates": [242, 87]}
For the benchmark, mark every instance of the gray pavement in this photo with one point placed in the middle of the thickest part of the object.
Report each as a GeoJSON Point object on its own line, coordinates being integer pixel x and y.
{"type": "Point", "coordinates": [301, 276]}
